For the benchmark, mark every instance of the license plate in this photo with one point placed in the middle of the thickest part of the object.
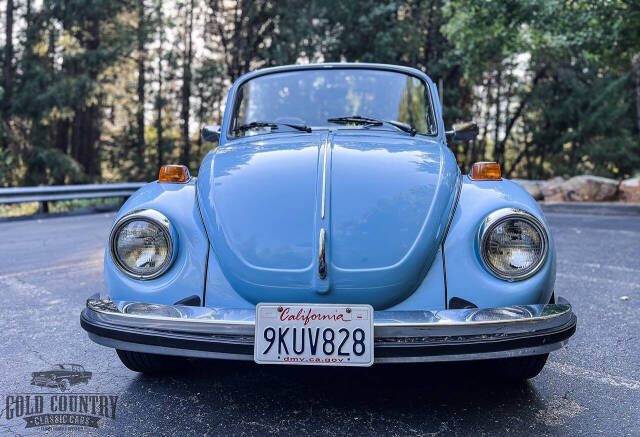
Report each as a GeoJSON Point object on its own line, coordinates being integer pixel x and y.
{"type": "Point", "coordinates": [314, 334]}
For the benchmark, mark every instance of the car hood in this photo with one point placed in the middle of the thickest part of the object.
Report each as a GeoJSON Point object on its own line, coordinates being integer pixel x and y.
{"type": "Point", "coordinates": [387, 201]}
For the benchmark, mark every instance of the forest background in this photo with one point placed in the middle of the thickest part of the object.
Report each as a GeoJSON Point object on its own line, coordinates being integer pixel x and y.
{"type": "Point", "coordinates": [108, 90]}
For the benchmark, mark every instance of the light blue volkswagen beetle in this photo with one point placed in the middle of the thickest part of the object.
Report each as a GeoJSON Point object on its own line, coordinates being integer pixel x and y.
{"type": "Point", "coordinates": [331, 226]}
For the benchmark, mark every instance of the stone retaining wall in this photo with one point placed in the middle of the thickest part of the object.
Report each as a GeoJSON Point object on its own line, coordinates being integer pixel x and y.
{"type": "Point", "coordinates": [583, 189]}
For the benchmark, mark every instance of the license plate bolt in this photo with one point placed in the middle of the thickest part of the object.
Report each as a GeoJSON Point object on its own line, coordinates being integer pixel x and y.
{"type": "Point", "coordinates": [280, 309]}
{"type": "Point", "coordinates": [348, 310]}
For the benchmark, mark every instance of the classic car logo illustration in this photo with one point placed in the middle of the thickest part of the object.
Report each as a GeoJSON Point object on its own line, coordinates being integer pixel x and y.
{"type": "Point", "coordinates": [64, 411]}
{"type": "Point", "coordinates": [61, 376]}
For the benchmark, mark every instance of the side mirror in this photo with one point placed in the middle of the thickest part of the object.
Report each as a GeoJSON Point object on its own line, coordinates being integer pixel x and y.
{"type": "Point", "coordinates": [463, 132]}
{"type": "Point", "coordinates": [210, 134]}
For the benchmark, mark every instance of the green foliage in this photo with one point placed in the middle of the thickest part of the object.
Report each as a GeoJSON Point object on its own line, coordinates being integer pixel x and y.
{"type": "Point", "coordinates": [109, 90]}
{"type": "Point", "coordinates": [6, 166]}
{"type": "Point", "coordinates": [582, 121]}
{"type": "Point", "coordinates": [49, 166]}
{"type": "Point", "coordinates": [485, 33]}
{"type": "Point", "coordinates": [557, 83]}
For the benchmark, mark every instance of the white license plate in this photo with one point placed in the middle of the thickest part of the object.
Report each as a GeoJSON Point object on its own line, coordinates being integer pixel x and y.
{"type": "Point", "coordinates": [329, 335]}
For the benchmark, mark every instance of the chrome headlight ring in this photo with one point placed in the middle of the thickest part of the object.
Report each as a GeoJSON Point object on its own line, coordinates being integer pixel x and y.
{"type": "Point", "coordinates": [157, 219]}
{"type": "Point", "coordinates": [498, 217]}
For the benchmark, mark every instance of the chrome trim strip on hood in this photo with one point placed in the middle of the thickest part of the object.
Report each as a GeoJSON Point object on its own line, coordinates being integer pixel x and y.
{"type": "Point", "coordinates": [324, 176]}
{"type": "Point", "coordinates": [322, 262]}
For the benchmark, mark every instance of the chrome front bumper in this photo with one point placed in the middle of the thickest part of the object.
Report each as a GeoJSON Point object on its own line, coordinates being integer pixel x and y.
{"type": "Point", "coordinates": [400, 336]}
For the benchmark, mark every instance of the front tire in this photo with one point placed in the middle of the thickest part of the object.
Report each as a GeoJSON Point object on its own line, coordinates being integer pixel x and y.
{"type": "Point", "coordinates": [519, 368]}
{"type": "Point", "coordinates": [151, 364]}
{"type": "Point", "coordinates": [64, 385]}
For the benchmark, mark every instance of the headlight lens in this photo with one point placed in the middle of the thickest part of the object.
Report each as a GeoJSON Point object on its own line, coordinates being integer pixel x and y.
{"type": "Point", "coordinates": [514, 244]}
{"type": "Point", "coordinates": [141, 244]}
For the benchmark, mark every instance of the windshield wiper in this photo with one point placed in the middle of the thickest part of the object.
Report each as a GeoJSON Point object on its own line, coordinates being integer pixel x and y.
{"type": "Point", "coordinates": [368, 121]}
{"type": "Point", "coordinates": [271, 124]}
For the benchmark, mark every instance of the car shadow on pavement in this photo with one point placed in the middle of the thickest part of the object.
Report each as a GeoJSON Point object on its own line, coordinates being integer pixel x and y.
{"type": "Point", "coordinates": [385, 398]}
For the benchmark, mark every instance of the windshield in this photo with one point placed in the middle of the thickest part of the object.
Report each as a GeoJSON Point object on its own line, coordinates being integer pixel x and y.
{"type": "Point", "coordinates": [311, 97]}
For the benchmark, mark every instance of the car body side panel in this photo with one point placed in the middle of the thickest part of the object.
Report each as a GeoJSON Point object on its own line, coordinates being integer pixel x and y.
{"type": "Point", "coordinates": [219, 292]}
{"type": "Point", "coordinates": [467, 277]}
{"type": "Point", "coordinates": [186, 275]}
{"type": "Point", "coordinates": [430, 294]}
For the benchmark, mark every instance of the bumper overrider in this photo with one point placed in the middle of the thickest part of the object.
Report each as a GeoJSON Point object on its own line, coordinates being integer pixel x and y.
{"type": "Point", "coordinates": [400, 336]}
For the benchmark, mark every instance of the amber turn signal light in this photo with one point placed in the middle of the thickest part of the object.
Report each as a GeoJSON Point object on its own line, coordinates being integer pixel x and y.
{"type": "Point", "coordinates": [486, 171]}
{"type": "Point", "coordinates": [174, 174]}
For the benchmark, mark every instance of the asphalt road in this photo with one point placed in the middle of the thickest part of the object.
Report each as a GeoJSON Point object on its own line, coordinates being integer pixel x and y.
{"type": "Point", "coordinates": [48, 268]}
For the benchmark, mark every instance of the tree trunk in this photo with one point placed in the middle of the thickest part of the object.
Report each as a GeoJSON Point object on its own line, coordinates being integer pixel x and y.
{"type": "Point", "coordinates": [185, 112]}
{"type": "Point", "coordinates": [85, 134]}
{"type": "Point", "coordinates": [497, 152]}
{"type": "Point", "coordinates": [141, 37]}
{"type": "Point", "coordinates": [635, 67]}
{"type": "Point", "coordinates": [62, 135]}
{"type": "Point", "coordinates": [7, 67]}
{"type": "Point", "coordinates": [519, 110]}
{"type": "Point", "coordinates": [201, 115]}
{"type": "Point", "coordinates": [159, 103]}
{"type": "Point", "coordinates": [85, 128]}
{"type": "Point", "coordinates": [480, 152]}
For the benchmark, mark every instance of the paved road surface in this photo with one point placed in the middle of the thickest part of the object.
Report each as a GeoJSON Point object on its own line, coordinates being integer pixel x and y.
{"type": "Point", "coordinates": [49, 267]}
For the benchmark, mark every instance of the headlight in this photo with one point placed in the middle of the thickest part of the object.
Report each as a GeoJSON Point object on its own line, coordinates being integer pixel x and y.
{"type": "Point", "coordinates": [513, 244]}
{"type": "Point", "coordinates": [142, 244]}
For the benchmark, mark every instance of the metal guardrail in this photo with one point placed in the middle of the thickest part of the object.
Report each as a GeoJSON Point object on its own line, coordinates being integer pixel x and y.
{"type": "Point", "coordinates": [44, 194]}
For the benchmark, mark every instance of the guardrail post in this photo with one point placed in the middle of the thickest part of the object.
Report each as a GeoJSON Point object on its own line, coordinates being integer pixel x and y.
{"type": "Point", "coordinates": [44, 207]}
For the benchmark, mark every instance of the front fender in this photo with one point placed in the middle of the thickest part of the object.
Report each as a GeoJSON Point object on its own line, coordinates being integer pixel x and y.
{"type": "Point", "coordinates": [466, 276]}
{"type": "Point", "coordinates": [186, 276]}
